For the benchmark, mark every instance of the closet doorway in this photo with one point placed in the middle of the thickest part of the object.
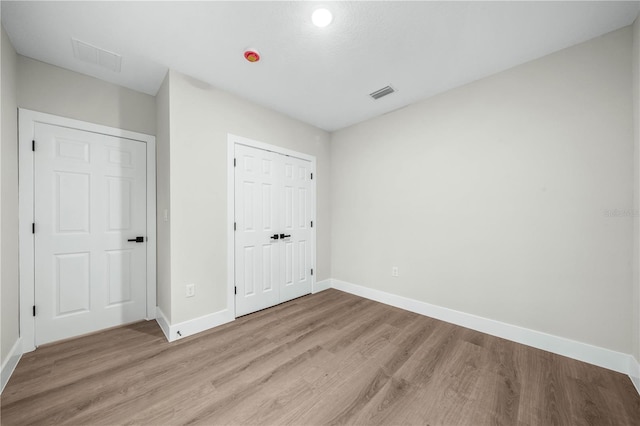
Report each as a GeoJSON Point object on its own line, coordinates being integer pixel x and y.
{"type": "Point", "coordinates": [274, 234]}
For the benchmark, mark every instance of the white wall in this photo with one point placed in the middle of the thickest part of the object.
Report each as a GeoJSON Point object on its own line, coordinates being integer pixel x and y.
{"type": "Point", "coordinates": [201, 116]}
{"type": "Point", "coordinates": [3, 355]}
{"type": "Point", "coordinates": [38, 86]}
{"type": "Point", "coordinates": [9, 285]}
{"type": "Point", "coordinates": [47, 88]}
{"type": "Point", "coordinates": [491, 198]}
{"type": "Point", "coordinates": [636, 193]}
{"type": "Point", "coordinates": [163, 198]}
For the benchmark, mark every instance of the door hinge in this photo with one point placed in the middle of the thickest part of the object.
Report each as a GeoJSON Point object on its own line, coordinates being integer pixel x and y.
{"type": "Point", "coordinates": [34, 310]}
{"type": "Point", "coordinates": [311, 176]}
{"type": "Point", "coordinates": [33, 228]}
{"type": "Point", "coordinates": [234, 226]}
{"type": "Point", "coordinates": [235, 290]}
{"type": "Point", "coordinates": [312, 271]}
{"type": "Point", "coordinates": [33, 145]}
{"type": "Point", "coordinates": [234, 162]}
{"type": "Point", "coordinates": [312, 224]}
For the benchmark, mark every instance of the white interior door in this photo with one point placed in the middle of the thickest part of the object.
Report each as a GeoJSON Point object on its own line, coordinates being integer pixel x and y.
{"type": "Point", "coordinates": [257, 222]}
{"type": "Point", "coordinates": [90, 201]}
{"type": "Point", "coordinates": [296, 221]}
{"type": "Point", "coordinates": [273, 238]}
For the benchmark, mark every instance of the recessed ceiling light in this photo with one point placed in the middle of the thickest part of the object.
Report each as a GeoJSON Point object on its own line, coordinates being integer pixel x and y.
{"type": "Point", "coordinates": [321, 18]}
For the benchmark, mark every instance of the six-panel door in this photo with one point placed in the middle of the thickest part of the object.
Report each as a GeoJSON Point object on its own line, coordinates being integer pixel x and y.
{"type": "Point", "coordinates": [296, 220]}
{"type": "Point", "coordinates": [273, 246]}
{"type": "Point", "coordinates": [257, 251]}
{"type": "Point", "coordinates": [90, 199]}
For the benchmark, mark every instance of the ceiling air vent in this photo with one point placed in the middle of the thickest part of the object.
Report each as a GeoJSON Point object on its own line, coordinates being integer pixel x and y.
{"type": "Point", "coordinates": [382, 92]}
{"type": "Point", "coordinates": [97, 56]}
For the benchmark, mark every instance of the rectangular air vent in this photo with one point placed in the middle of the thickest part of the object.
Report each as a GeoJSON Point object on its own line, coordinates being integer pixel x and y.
{"type": "Point", "coordinates": [97, 56]}
{"type": "Point", "coordinates": [382, 92]}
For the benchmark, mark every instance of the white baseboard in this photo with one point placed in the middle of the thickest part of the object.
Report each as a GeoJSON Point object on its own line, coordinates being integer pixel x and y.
{"type": "Point", "coordinates": [601, 357]}
{"type": "Point", "coordinates": [321, 286]}
{"type": "Point", "coordinates": [634, 372]}
{"type": "Point", "coordinates": [181, 330]}
{"type": "Point", "coordinates": [163, 322]}
{"type": "Point", "coordinates": [10, 363]}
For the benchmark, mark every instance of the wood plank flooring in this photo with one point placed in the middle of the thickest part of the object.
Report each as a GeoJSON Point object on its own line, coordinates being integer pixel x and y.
{"type": "Point", "coordinates": [329, 358]}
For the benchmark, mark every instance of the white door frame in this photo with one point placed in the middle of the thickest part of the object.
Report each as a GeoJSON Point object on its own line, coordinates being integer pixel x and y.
{"type": "Point", "coordinates": [27, 120]}
{"type": "Point", "coordinates": [232, 140]}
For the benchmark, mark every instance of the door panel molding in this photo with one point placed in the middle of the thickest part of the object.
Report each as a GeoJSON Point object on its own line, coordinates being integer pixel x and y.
{"type": "Point", "coordinates": [27, 121]}
{"type": "Point", "coordinates": [232, 141]}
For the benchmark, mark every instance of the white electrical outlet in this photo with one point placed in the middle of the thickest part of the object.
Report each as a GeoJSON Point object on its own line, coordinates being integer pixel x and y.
{"type": "Point", "coordinates": [166, 215]}
{"type": "Point", "coordinates": [394, 271]}
{"type": "Point", "coordinates": [191, 290]}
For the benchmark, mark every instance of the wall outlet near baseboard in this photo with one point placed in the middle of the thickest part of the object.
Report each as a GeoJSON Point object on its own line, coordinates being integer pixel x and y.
{"type": "Point", "coordinates": [191, 290]}
{"type": "Point", "coordinates": [394, 271]}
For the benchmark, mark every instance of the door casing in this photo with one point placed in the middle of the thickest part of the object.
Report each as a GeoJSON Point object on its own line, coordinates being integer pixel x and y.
{"type": "Point", "coordinates": [26, 128]}
{"type": "Point", "coordinates": [232, 140]}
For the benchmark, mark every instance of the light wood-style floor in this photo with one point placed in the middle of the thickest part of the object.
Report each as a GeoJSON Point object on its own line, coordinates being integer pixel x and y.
{"type": "Point", "coordinates": [329, 358]}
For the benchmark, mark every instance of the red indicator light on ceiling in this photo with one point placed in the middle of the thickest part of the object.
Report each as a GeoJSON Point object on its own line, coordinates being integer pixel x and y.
{"type": "Point", "coordinates": [252, 56]}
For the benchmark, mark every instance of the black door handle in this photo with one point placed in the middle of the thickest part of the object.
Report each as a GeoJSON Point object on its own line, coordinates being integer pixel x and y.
{"type": "Point", "coordinates": [274, 237]}
{"type": "Point", "coordinates": [284, 236]}
{"type": "Point", "coordinates": [137, 240]}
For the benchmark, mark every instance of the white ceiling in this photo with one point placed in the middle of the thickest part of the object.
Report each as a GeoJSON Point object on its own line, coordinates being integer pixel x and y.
{"type": "Point", "coordinates": [321, 76]}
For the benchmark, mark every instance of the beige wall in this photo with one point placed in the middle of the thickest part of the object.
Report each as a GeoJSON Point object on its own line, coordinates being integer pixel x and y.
{"type": "Point", "coordinates": [41, 87]}
{"type": "Point", "coordinates": [47, 88]}
{"type": "Point", "coordinates": [163, 198]}
{"type": "Point", "coordinates": [636, 192]}
{"type": "Point", "coordinates": [201, 118]}
{"type": "Point", "coordinates": [491, 198]}
{"type": "Point", "coordinates": [9, 285]}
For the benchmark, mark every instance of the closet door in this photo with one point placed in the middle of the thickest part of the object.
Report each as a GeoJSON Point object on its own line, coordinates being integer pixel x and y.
{"type": "Point", "coordinates": [273, 238]}
{"type": "Point", "coordinates": [295, 263]}
{"type": "Point", "coordinates": [257, 201]}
